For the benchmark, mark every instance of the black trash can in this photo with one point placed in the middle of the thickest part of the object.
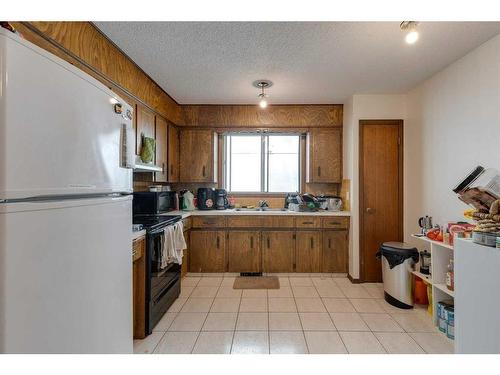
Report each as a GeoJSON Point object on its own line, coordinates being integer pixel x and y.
{"type": "Point", "coordinates": [398, 260]}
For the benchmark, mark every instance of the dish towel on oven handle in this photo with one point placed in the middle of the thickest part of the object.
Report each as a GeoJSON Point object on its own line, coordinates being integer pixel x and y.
{"type": "Point", "coordinates": [174, 244]}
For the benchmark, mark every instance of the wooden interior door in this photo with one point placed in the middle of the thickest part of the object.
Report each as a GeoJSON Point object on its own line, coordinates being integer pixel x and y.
{"type": "Point", "coordinates": [381, 191]}
{"type": "Point", "coordinates": [243, 251]}
{"type": "Point", "coordinates": [278, 249]}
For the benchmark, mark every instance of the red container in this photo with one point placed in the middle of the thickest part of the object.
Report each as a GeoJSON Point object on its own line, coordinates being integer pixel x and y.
{"type": "Point", "coordinates": [420, 292]}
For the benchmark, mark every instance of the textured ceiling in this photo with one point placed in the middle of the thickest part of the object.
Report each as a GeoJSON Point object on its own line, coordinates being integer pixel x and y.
{"type": "Point", "coordinates": [309, 62]}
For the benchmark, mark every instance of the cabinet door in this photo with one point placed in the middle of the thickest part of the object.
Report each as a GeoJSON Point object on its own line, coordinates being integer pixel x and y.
{"type": "Point", "coordinates": [335, 251]}
{"type": "Point", "coordinates": [197, 156]}
{"type": "Point", "coordinates": [145, 126]}
{"type": "Point", "coordinates": [308, 250]}
{"type": "Point", "coordinates": [207, 251]}
{"type": "Point", "coordinates": [243, 250]}
{"type": "Point", "coordinates": [325, 155]}
{"type": "Point", "coordinates": [161, 149]}
{"type": "Point", "coordinates": [173, 154]}
{"type": "Point", "coordinates": [278, 250]}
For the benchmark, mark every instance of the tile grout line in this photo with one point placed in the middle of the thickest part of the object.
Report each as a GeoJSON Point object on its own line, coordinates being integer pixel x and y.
{"type": "Point", "coordinates": [236, 324]}
{"type": "Point", "coordinates": [206, 317]}
{"type": "Point", "coordinates": [300, 320]}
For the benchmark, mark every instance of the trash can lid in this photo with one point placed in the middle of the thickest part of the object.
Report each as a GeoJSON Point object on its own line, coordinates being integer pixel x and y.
{"type": "Point", "coordinates": [399, 248]}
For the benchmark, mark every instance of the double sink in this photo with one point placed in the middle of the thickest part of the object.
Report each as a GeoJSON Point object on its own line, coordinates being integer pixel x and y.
{"type": "Point", "coordinates": [261, 209]}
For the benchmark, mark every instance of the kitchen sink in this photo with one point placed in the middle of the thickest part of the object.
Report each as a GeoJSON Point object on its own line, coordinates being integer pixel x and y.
{"type": "Point", "coordinates": [260, 209]}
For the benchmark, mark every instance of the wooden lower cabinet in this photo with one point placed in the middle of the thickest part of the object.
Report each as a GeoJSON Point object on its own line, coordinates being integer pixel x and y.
{"type": "Point", "coordinates": [220, 245]}
{"type": "Point", "coordinates": [243, 251]}
{"type": "Point", "coordinates": [278, 251]}
{"type": "Point", "coordinates": [335, 251]}
{"type": "Point", "coordinates": [207, 250]}
{"type": "Point", "coordinates": [185, 256]}
{"type": "Point", "coordinates": [308, 251]}
{"type": "Point", "coordinates": [139, 287]}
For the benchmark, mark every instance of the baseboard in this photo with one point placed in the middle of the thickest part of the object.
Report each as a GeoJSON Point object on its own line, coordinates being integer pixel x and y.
{"type": "Point", "coordinates": [352, 280]}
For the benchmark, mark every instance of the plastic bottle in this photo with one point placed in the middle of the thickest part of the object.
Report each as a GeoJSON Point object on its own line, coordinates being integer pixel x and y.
{"type": "Point", "coordinates": [450, 276]}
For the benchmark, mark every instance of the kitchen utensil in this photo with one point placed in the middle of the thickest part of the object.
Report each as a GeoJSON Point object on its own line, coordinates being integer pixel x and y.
{"type": "Point", "coordinates": [425, 262]}
{"type": "Point", "coordinates": [425, 223]}
{"type": "Point", "coordinates": [221, 202]}
{"type": "Point", "coordinates": [188, 201]}
{"type": "Point", "coordinates": [205, 198]}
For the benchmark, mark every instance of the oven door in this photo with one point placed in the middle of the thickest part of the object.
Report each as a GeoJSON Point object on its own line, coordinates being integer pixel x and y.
{"type": "Point", "coordinates": [159, 278]}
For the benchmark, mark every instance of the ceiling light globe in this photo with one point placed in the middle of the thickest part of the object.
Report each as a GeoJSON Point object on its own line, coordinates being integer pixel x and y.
{"type": "Point", "coordinates": [263, 103]}
{"type": "Point", "coordinates": [411, 37]}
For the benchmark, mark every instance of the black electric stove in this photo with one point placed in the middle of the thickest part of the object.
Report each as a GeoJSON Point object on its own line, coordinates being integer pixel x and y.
{"type": "Point", "coordinates": [153, 222]}
{"type": "Point", "coordinates": [163, 285]}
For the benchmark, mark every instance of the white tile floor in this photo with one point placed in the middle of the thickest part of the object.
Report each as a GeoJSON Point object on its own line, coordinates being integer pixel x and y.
{"type": "Point", "coordinates": [308, 314]}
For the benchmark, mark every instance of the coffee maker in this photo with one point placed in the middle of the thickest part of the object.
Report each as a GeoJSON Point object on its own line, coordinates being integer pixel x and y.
{"type": "Point", "coordinates": [221, 202]}
{"type": "Point", "coordinates": [205, 198]}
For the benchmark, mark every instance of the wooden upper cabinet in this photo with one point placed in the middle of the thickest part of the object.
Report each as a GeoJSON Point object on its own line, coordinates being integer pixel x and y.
{"type": "Point", "coordinates": [198, 156]}
{"type": "Point", "coordinates": [145, 125]}
{"type": "Point", "coordinates": [243, 251]}
{"type": "Point", "coordinates": [173, 153]}
{"type": "Point", "coordinates": [161, 149]}
{"type": "Point", "coordinates": [278, 251]}
{"type": "Point", "coordinates": [308, 251]}
{"type": "Point", "coordinates": [324, 156]}
{"type": "Point", "coordinates": [335, 251]}
{"type": "Point", "coordinates": [207, 251]}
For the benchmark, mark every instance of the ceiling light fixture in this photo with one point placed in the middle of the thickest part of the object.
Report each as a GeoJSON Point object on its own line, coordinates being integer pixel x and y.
{"type": "Point", "coordinates": [262, 84]}
{"type": "Point", "coordinates": [410, 28]}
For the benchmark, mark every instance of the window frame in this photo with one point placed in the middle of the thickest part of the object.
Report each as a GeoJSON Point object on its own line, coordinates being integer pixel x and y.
{"type": "Point", "coordinates": [264, 163]}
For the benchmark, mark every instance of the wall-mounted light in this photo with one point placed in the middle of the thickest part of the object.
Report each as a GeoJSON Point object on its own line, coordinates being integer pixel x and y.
{"type": "Point", "coordinates": [262, 84]}
{"type": "Point", "coordinates": [410, 28]}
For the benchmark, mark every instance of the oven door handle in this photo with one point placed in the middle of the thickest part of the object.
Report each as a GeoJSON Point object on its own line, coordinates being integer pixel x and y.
{"type": "Point", "coordinates": [157, 231]}
{"type": "Point", "coordinates": [165, 291]}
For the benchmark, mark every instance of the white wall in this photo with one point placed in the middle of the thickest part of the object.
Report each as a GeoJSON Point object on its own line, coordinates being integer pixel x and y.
{"type": "Point", "coordinates": [363, 107]}
{"type": "Point", "coordinates": [451, 125]}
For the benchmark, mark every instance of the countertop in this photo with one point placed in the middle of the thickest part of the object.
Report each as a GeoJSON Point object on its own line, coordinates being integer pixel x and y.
{"type": "Point", "coordinates": [138, 234]}
{"type": "Point", "coordinates": [186, 214]}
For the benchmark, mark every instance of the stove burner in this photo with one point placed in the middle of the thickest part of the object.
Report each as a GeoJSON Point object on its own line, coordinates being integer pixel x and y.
{"type": "Point", "coordinates": [151, 222]}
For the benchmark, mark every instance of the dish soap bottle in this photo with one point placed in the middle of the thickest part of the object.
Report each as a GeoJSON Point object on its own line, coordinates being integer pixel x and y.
{"type": "Point", "coordinates": [450, 276]}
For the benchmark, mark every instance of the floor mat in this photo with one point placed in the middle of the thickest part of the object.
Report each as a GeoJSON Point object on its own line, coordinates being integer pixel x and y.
{"type": "Point", "coordinates": [256, 282]}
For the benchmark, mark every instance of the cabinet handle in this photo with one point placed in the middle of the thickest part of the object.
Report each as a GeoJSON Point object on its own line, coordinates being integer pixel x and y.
{"type": "Point", "coordinates": [312, 242]}
{"type": "Point", "coordinates": [251, 242]}
{"type": "Point", "coordinates": [162, 167]}
{"type": "Point", "coordinates": [319, 171]}
{"type": "Point", "coordinates": [307, 222]}
{"type": "Point", "coordinates": [204, 171]}
{"type": "Point", "coordinates": [334, 223]}
{"type": "Point", "coordinates": [268, 243]}
{"type": "Point", "coordinates": [329, 243]}
{"type": "Point", "coordinates": [218, 242]}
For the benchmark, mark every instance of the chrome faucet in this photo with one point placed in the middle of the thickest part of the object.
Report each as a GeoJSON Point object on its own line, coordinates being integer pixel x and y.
{"type": "Point", "coordinates": [263, 204]}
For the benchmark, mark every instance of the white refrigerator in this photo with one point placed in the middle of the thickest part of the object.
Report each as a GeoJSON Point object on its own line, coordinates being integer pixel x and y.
{"type": "Point", "coordinates": [66, 154]}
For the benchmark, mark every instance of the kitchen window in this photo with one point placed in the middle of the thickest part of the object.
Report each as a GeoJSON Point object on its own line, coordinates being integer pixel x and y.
{"type": "Point", "coordinates": [261, 163]}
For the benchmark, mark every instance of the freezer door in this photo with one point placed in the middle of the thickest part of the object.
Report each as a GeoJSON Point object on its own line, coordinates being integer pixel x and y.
{"type": "Point", "coordinates": [59, 133]}
{"type": "Point", "coordinates": [66, 277]}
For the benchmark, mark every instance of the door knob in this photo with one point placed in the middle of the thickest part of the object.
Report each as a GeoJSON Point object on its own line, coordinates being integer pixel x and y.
{"type": "Point", "coordinates": [369, 210]}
